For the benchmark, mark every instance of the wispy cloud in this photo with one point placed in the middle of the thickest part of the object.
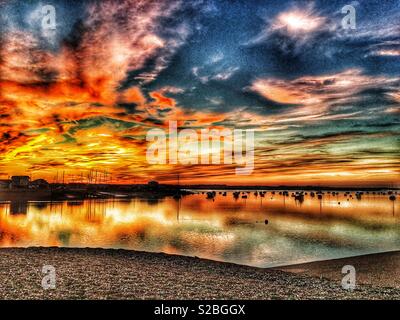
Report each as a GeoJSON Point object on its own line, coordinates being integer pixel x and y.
{"type": "Point", "coordinates": [318, 96]}
{"type": "Point", "coordinates": [220, 74]}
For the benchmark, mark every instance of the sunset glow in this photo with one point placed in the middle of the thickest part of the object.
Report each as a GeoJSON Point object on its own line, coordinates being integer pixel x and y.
{"type": "Point", "coordinates": [85, 97]}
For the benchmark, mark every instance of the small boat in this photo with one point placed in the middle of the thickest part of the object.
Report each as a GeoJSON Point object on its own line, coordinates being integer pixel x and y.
{"type": "Point", "coordinates": [211, 194]}
{"type": "Point", "coordinates": [299, 197]}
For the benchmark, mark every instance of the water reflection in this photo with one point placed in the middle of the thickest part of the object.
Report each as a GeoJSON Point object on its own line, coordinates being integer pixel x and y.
{"type": "Point", "coordinates": [18, 207]}
{"type": "Point", "coordinates": [254, 229]}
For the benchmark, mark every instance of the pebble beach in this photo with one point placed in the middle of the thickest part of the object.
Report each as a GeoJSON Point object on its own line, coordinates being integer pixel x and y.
{"type": "Point", "coordinates": [124, 274]}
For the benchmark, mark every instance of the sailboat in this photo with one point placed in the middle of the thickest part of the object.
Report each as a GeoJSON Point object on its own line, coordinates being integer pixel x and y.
{"type": "Point", "coordinates": [178, 194]}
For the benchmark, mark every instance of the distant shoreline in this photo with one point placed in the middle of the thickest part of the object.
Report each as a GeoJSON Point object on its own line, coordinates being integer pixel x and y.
{"type": "Point", "coordinates": [281, 188]}
{"type": "Point", "coordinates": [91, 191]}
{"type": "Point", "coordinates": [122, 274]}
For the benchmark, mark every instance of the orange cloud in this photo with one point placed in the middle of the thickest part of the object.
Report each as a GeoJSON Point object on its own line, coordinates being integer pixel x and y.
{"type": "Point", "coordinates": [279, 92]}
{"type": "Point", "coordinates": [162, 101]}
{"type": "Point", "coordinates": [132, 95]}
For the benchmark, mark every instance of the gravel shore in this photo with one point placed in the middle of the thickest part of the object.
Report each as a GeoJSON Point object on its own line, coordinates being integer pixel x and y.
{"type": "Point", "coordinates": [121, 274]}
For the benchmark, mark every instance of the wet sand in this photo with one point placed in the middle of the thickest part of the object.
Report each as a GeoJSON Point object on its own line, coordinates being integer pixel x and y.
{"type": "Point", "coordinates": [122, 274]}
{"type": "Point", "coordinates": [380, 269]}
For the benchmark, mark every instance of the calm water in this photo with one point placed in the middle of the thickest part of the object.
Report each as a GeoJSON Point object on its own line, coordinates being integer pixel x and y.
{"type": "Point", "coordinates": [224, 229]}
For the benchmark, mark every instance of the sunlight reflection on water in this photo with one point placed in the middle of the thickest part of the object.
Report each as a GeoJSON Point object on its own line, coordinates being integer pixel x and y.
{"type": "Point", "coordinates": [222, 229]}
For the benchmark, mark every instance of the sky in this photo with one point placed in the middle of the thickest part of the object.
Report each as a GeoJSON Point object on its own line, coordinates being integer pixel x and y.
{"type": "Point", "coordinates": [323, 100]}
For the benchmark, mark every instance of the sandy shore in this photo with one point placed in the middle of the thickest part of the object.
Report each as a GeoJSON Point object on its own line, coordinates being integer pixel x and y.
{"type": "Point", "coordinates": [121, 274]}
{"type": "Point", "coordinates": [380, 269]}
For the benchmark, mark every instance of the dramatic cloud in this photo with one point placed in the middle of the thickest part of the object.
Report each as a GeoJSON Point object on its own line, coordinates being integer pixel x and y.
{"type": "Point", "coordinates": [317, 96]}
{"type": "Point", "coordinates": [76, 88]}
